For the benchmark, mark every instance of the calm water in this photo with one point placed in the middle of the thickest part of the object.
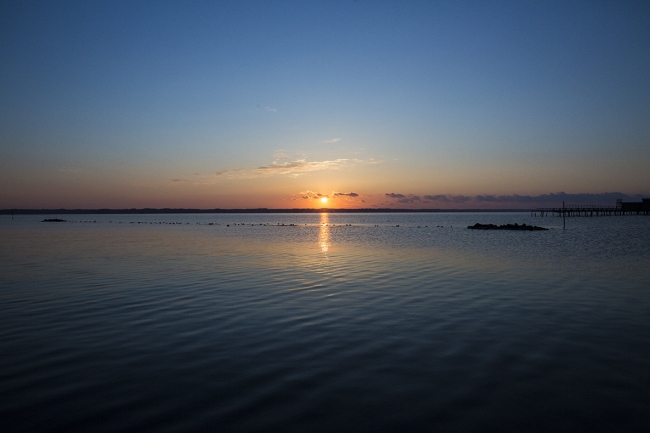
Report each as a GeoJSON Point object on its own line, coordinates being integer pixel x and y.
{"type": "Point", "coordinates": [338, 323]}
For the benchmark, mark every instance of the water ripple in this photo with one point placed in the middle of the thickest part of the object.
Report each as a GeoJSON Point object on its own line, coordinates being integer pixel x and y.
{"type": "Point", "coordinates": [107, 327]}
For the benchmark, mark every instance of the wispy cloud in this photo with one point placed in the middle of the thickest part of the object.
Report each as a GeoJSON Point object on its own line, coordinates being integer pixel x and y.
{"type": "Point", "coordinates": [278, 167]}
{"type": "Point", "coordinates": [180, 180]}
{"type": "Point", "coordinates": [348, 194]}
{"type": "Point", "coordinates": [229, 172]}
{"type": "Point", "coordinates": [270, 109]}
{"type": "Point", "coordinates": [299, 166]}
{"type": "Point", "coordinates": [295, 168]}
{"type": "Point", "coordinates": [331, 140]}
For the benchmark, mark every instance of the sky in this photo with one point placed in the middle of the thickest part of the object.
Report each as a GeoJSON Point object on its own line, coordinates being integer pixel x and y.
{"type": "Point", "coordinates": [370, 104]}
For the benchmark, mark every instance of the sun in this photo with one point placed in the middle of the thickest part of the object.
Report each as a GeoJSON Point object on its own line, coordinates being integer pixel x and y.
{"type": "Point", "coordinates": [323, 199]}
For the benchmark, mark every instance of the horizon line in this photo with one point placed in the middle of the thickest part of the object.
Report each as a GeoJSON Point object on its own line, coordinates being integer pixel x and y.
{"type": "Point", "coordinates": [244, 210]}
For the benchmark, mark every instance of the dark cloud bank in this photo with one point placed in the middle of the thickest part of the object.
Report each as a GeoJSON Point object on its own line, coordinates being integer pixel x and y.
{"type": "Point", "coordinates": [508, 201]}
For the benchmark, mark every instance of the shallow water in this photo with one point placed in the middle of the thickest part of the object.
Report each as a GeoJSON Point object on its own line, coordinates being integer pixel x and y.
{"type": "Point", "coordinates": [341, 322]}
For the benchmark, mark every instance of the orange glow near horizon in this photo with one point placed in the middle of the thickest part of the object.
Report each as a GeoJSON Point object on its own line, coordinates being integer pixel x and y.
{"type": "Point", "coordinates": [324, 199]}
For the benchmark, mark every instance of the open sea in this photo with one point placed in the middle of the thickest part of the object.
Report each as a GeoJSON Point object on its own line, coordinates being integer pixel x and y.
{"type": "Point", "coordinates": [324, 323]}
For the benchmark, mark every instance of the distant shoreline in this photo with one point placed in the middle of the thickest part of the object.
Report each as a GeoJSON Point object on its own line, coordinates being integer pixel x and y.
{"type": "Point", "coordinates": [235, 211]}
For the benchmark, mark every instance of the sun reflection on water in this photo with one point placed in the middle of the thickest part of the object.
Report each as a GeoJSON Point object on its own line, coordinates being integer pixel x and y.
{"type": "Point", "coordinates": [324, 233]}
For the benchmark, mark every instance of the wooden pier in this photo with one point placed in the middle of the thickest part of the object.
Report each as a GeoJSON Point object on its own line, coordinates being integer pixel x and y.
{"type": "Point", "coordinates": [622, 208]}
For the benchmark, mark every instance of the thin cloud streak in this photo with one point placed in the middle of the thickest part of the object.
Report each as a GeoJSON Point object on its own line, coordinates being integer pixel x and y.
{"type": "Point", "coordinates": [299, 166]}
{"type": "Point", "coordinates": [293, 168]}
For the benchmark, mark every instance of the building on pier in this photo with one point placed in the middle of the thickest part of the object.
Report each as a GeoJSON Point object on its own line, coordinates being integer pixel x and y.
{"type": "Point", "coordinates": [634, 206]}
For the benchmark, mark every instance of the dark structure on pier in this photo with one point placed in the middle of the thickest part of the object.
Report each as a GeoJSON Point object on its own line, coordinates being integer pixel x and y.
{"type": "Point", "coordinates": [621, 208]}
{"type": "Point", "coordinates": [633, 206]}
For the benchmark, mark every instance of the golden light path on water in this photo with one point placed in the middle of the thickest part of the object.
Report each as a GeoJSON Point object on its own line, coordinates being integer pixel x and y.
{"type": "Point", "coordinates": [324, 233]}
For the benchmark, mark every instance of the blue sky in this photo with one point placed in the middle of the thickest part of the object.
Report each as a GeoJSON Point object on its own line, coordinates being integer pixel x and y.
{"type": "Point", "coordinates": [258, 104]}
